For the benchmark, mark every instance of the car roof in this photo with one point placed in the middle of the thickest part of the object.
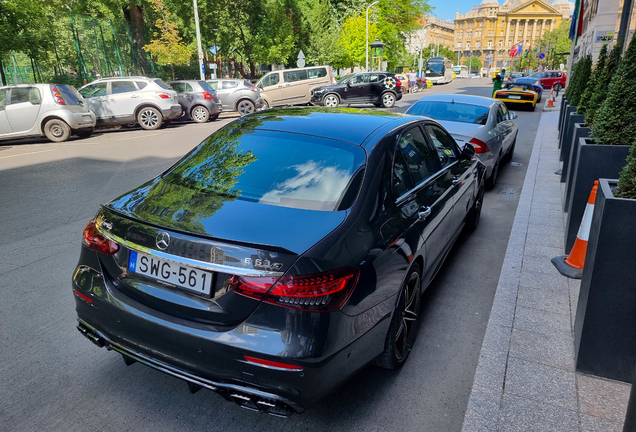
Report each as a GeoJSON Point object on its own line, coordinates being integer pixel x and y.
{"type": "Point", "coordinates": [474, 100]}
{"type": "Point", "coordinates": [122, 78]}
{"type": "Point", "coordinates": [344, 124]}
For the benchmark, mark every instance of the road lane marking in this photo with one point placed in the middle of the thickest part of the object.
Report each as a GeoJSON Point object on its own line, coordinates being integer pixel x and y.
{"type": "Point", "coordinates": [135, 137]}
{"type": "Point", "coordinates": [24, 154]}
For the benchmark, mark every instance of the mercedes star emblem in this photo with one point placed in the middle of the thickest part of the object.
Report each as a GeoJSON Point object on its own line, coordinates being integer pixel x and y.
{"type": "Point", "coordinates": [163, 240]}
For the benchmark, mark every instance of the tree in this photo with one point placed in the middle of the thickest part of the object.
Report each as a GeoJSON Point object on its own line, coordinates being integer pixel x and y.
{"type": "Point", "coordinates": [353, 40]}
{"type": "Point", "coordinates": [627, 179]}
{"type": "Point", "coordinates": [474, 63]}
{"type": "Point", "coordinates": [602, 84]}
{"type": "Point", "coordinates": [615, 122]}
{"type": "Point", "coordinates": [168, 48]}
{"type": "Point", "coordinates": [580, 77]}
{"type": "Point", "coordinates": [590, 86]}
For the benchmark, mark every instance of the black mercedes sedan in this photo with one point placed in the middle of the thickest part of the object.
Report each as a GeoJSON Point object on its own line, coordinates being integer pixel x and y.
{"type": "Point", "coordinates": [281, 255]}
{"type": "Point", "coordinates": [381, 89]}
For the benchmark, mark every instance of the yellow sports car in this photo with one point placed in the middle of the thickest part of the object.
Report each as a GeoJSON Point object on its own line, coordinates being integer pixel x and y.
{"type": "Point", "coordinates": [517, 93]}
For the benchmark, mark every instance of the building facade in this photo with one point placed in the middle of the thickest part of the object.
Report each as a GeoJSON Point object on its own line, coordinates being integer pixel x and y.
{"type": "Point", "coordinates": [490, 30]}
{"type": "Point", "coordinates": [601, 22]}
{"type": "Point", "coordinates": [432, 31]}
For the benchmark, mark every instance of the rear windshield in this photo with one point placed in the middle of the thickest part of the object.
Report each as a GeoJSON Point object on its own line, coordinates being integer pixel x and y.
{"type": "Point", "coordinates": [69, 94]}
{"type": "Point", "coordinates": [162, 84]}
{"type": "Point", "coordinates": [449, 111]}
{"type": "Point", "coordinates": [275, 168]}
{"type": "Point", "coordinates": [213, 84]}
{"type": "Point", "coordinates": [206, 87]}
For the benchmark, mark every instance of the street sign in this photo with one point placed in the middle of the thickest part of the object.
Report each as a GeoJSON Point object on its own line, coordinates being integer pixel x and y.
{"type": "Point", "coordinates": [301, 55]}
{"type": "Point", "coordinates": [212, 65]}
{"type": "Point", "coordinates": [300, 62]}
{"type": "Point", "coordinates": [203, 68]}
{"type": "Point", "coordinates": [541, 56]}
{"type": "Point", "coordinates": [417, 49]}
{"type": "Point", "coordinates": [604, 36]}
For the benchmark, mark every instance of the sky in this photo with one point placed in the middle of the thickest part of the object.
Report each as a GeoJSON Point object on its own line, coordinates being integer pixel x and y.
{"type": "Point", "coordinates": [445, 9]}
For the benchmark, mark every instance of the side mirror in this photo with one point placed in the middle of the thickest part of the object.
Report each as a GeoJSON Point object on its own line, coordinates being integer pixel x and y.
{"type": "Point", "coordinates": [348, 83]}
{"type": "Point", "coordinates": [468, 152]}
{"type": "Point", "coordinates": [513, 115]}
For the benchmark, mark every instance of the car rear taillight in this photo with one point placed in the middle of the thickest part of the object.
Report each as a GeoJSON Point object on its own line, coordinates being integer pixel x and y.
{"type": "Point", "coordinates": [164, 95]}
{"type": "Point", "coordinates": [96, 241]}
{"type": "Point", "coordinates": [273, 364]}
{"type": "Point", "coordinates": [57, 96]}
{"type": "Point", "coordinates": [326, 291]}
{"type": "Point", "coordinates": [480, 146]}
{"type": "Point", "coordinates": [207, 96]}
{"type": "Point", "coordinates": [398, 83]}
{"type": "Point", "coordinates": [252, 88]}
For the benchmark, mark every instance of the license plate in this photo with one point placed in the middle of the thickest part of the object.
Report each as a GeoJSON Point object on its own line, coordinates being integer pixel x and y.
{"type": "Point", "coordinates": [86, 118]}
{"type": "Point", "coordinates": [514, 97]}
{"type": "Point", "coordinates": [180, 275]}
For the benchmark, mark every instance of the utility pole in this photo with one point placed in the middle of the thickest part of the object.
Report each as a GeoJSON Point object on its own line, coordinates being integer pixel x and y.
{"type": "Point", "coordinates": [366, 64]}
{"type": "Point", "coordinates": [196, 26]}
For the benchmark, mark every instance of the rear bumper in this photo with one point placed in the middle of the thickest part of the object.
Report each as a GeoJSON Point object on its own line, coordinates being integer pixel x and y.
{"type": "Point", "coordinates": [172, 113]}
{"type": "Point", "coordinates": [323, 346]}
{"type": "Point", "coordinates": [259, 102]}
{"type": "Point", "coordinates": [82, 121]}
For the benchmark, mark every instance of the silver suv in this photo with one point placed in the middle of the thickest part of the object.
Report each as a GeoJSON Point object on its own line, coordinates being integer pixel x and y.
{"type": "Point", "coordinates": [237, 95]}
{"type": "Point", "coordinates": [150, 102]}
{"type": "Point", "coordinates": [54, 110]}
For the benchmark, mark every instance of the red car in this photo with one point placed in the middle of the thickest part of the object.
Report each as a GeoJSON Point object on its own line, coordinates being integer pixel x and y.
{"type": "Point", "coordinates": [549, 79]}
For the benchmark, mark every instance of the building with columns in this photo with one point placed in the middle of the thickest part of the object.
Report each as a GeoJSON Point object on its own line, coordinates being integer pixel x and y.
{"type": "Point", "coordinates": [432, 31]}
{"type": "Point", "coordinates": [489, 31]}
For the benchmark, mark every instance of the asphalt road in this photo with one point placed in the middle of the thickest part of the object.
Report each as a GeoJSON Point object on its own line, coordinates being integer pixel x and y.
{"type": "Point", "coordinates": [52, 378]}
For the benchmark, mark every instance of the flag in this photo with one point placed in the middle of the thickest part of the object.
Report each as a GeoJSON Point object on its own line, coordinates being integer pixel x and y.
{"type": "Point", "coordinates": [536, 53]}
{"type": "Point", "coordinates": [527, 52]}
{"type": "Point", "coordinates": [519, 50]}
{"type": "Point", "coordinates": [579, 30]}
{"type": "Point", "coordinates": [513, 51]}
{"type": "Point", "coordinates": [573, 24]}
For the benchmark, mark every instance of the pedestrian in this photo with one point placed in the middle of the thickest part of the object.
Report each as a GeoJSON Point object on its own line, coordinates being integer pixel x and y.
{"type": "Point", "coordinates": [412, 77]}
{"type": "Point", "coordinates": [497, 80]}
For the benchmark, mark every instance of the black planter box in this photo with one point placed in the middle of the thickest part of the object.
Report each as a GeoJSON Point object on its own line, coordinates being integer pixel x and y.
{"type": "Point", "coordinates": [594, 161]}
{"type": "Point", "coordinates": [564, 104]}
{"type": "Point", "coordinates": [569, 111]}
{"type": "Point", "coordinates": [566, 143]}
{"type": "Point", "coordinates": [580, 131]}
{"type": "Point", "coordinates": [605, 323]}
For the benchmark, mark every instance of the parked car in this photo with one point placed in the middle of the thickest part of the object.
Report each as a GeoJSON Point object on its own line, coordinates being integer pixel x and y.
{"type": "Point", "coordinates": [237, 95]}
{"type": "Point", "coordinates": [483, 122]}
{"type": "Point", "coordinates": [517, 93]}
{"type": "Point", "coordinates": [293, 86]}
{"type": "Point", "coordinates": [150, 102]}
{"type": "Point", "coordinates": [549, 79]}
{"type": "Point", "coordinates": [53, 110]}
{"type": "Point", "coordinates": [379, 88]}
{"type": "Point", "coordinates": [535, 83]}
{"type": "Point", "coordinates": [197, 99]}
{"type": "Point", "coordinates": [420, 83]}
{"type": "Point", "coordinates": [180, 275]}
{"type": "Point", "coordinates": [515, 75]}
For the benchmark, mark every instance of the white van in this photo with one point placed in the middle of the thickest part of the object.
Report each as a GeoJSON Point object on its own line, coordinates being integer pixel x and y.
{"type": "Point", "coordinates": [293, 86]}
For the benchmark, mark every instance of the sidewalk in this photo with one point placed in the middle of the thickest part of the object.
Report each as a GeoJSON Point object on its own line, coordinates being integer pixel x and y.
{"type": "Point", "coordinates": [526, 379]}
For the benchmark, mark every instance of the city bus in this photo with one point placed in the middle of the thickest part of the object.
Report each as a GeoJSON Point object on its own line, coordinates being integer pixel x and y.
{"type": "Point", "coordinates": [461, 71]}
{"type": "Point", "coordinates": [439, 70]}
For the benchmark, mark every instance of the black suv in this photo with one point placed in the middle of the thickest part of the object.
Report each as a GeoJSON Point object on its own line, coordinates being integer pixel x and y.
{"type": "Point", "coordinates": [379, 88]}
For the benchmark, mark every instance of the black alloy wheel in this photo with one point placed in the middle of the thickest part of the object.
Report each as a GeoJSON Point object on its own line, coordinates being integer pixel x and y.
{"type": "Point", "coordinates": [492, 180]}
{"type": "Point", "coordinates": [474, 215]}
{"type": "Point", "coordinates": [511, 151]}
{"type": "Point", "coordinates": [403, 329]}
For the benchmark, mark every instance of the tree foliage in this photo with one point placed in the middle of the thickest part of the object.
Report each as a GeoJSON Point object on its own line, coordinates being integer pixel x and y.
{"type": "Point", "coordinates": [578, 81]}
{"type": "Point", "coordinates": [475, 64]}
{"type": "Point", "coordinates": [602, 84]}
{"type": "Point", "coordinates": [615, 122]}
{"type": "Point", "coordinates": [627, 180]}
{"type": "Point", "coordinates": [590, 86]}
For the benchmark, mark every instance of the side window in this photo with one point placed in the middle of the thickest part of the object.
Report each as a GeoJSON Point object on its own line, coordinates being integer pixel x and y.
{"type": "Point", "coordinates": [501, 116]}
{"type": "Point", "coordinates": [94, 90]}
{"type": "Point", "coordinates": [559, 74]}
{"type": "Point", "coordinates": [271, 80]}
{"type": "Point", "coordinates": [444, 145]}
{"type": "Point", "coordinates": [505, 111]}
{"type": "Point", "coordinates": [213, 84]}
{"type": "Point", "coordinates": [118, 87]}
{"type": "Point", "coordinates": [417, 154]}
{"type": "Point", "coordinates": [317, 73]}
{"type": "Point", "coordinates": [141, 84]}
{"type": "Point", "coordinates": [177, 86]}
{"type": "Point", "coordinates": [3, 97]}
{"type": "Point", "coordinates": [359, 79]}
{"type": "Point", "coordinates": [35, 95]}
{"type": "Point", "coordinates": [293, 76]}
{"type": "Point", "coordinates": [401, 179]}
{"type": "Point", "coordinates": [187, 87]}
{"type": "Point", "coordinates": [20, 95]}
{"type": "Point", "coordinates": [225, 85]}
{"type": "Point", "coordinates": [374, 78]}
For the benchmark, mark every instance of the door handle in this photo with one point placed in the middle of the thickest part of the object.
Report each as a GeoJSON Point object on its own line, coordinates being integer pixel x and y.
{"type": "Point", "coordinates": [134, 96]}
{"type": "Point", "coordinates": [424, 212]}
{"type": "Point", "coordinates": [286, 85]}
{"type": "Point", "coordinates": [456, 181]}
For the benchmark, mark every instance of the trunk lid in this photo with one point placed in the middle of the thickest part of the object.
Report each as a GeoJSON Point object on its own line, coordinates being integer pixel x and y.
{"type": "Point", "coordinates": [462, 132]}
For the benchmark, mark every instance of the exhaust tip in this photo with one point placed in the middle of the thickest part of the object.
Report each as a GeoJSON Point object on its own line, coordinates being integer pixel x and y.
{"type": "Point", "coordinates": [91, 336]}
{"type": "Point", "coordinates": [255, 403]}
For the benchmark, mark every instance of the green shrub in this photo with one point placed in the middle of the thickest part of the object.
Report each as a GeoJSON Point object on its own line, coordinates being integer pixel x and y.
{"type": "Point", "coordinates": [627, 180]}
{"type": "Point", "coordinates": [615, 122]}
{"type": "Point", "coordinates": [602, 84]}
{"type": "Point", "coordinates": [580, 77]}
{"type": "Point", "coordinates": [590, 86]}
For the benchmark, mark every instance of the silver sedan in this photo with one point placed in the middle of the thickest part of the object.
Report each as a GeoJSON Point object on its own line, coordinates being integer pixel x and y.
{"type": "Point", "coordinates": [483, 122]}
{"type": "Point", "coordinates": [237, 95]}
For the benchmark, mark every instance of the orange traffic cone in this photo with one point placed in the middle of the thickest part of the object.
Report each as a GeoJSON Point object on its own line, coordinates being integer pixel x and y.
{"type": "Point", "coordinates": [572, 265]}
{"type": "Point", "coordinates": [551, 98]}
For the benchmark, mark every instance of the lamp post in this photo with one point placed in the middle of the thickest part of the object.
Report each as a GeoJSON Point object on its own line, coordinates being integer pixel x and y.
{"type": "Point", "coordinates": [196, 26]}
{"type": "Point", "coordinates": [216, 53]}
{"type": "Point", "coordinates": [367, 38]}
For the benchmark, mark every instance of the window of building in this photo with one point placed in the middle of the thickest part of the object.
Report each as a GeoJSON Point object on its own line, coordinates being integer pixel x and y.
{"type": "Point", "coordinates": [489, 44]}
{"type": "Point", "coordinates": [477, 44]}
{"type": "Point", "coordinates": [509, 43]}
{"type": "Point", "coordinates": [459, 44]}
{"type": "Point", "coordinates": [467, 45]}
{"type": "Point", "coordinates": [500, 43]}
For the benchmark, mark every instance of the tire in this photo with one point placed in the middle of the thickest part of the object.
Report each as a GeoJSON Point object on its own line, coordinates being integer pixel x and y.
{"type": "Point", "coordinates": [149, 118]}
{"type": "Point", "coordinates": [377, 105]}
{"type": "Point", "coordinates": [474, 215]}
{"type": "Point", "coordinates": [388, 100]}
{"type": "Point", "coordinates": [331, 101]}
{"type": "Point", "coordinates": [245, 107]}
{"type": "Point", "coordinates": [508, 157]}
{"type": "Point", "coordinates": [558, 87]}
{"type": "Point", "coordinates": [533, 107]}
{"type": "Point", "coordinates": [492, 180]}
{"type": "Point", "coordinates": [200, 114]}
{"type": "Point", "coordinates": [57, 130]}
{"type": "Point", "coordinates": [213, 117]}
{"type": "Point", "coordinates": [84, 133]}
{"type": "Point", "coordinates": [401, 335]}
{"type": "Point", "coordinates": [165, 124]}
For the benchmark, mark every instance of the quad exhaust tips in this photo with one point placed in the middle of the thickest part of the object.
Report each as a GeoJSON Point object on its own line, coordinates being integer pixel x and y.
{"type": "Point", "coordinates": [255, 403]}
